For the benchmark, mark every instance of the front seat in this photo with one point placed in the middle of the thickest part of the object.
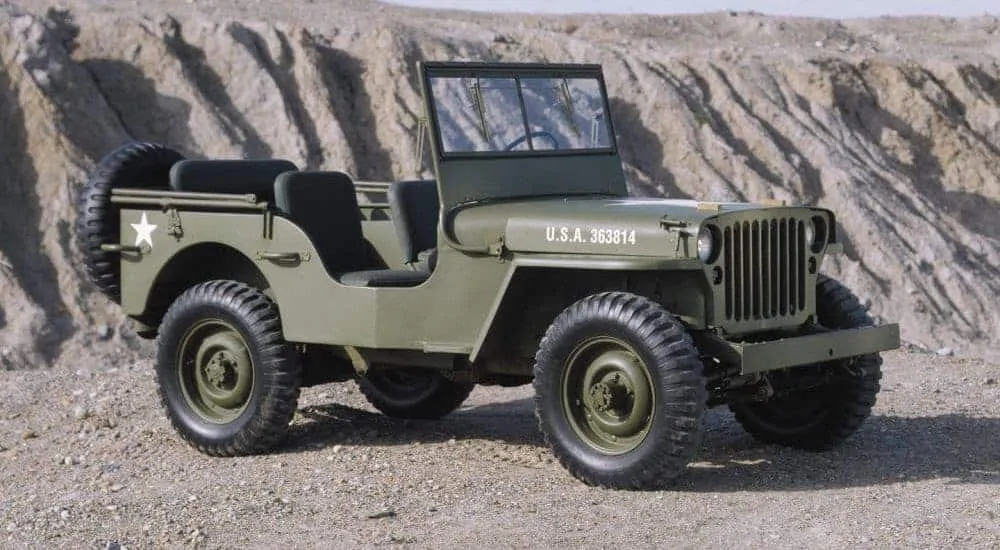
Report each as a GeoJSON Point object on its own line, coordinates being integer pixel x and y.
{"type": "Point", "coordinates": [325, 206]}
{"type": "Point", "coordinates": [415, 211]}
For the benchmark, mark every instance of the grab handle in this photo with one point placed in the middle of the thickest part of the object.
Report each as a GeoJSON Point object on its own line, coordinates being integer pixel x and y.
{"type": "Point", "coordinates": [120, 248]}
{"type": "Point", "coordinates": [279, 256]}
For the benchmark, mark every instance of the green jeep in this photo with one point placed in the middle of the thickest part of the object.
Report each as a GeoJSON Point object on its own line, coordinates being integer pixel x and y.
{"type": "Point", "coordinates": [525, 261]}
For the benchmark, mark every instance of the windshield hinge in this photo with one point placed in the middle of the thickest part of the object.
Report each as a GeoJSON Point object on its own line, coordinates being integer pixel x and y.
{"type": "Point", "coordinates": [498, 247]}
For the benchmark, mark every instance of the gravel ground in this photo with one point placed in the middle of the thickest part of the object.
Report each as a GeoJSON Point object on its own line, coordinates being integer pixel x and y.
{"type": "Point", "coordinates": [88, 460]}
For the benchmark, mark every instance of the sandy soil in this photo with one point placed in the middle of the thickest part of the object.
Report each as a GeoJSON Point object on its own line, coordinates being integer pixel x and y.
{"type": "Point", "coordinates": [90, 461]}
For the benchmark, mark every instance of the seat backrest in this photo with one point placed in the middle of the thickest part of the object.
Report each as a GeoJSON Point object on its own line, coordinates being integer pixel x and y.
{"type": "Point", "coordinates": [325, 206]}
{"type": "Point", "coordinates": [229, 176]}
{"type": "Point", "coordinates": [415, 211]}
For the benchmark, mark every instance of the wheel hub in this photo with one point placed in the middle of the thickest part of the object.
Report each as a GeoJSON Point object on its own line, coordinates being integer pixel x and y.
{"type": "Point", "coordinates": [219, 371]}
{"type": "Point", "coordinates": [609, 394]}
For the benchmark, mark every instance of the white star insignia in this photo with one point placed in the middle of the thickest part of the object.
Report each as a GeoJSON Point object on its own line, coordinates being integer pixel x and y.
{"type": "Point", "coordinates": [143, 231]}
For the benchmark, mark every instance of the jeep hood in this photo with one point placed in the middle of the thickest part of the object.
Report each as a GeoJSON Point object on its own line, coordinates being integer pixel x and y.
{"type": "Point", "coordinates": [664, 228]}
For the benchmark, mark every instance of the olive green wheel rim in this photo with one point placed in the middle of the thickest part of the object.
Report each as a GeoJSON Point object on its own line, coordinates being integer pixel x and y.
{"type": "Point", "coordinates": [607, 395]}
{"type": "Point", "coordinates": [215, 371]}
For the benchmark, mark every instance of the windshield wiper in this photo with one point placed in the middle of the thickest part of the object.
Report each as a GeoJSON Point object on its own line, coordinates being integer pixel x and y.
{"type": "Point", "coordinates": [476, 89]}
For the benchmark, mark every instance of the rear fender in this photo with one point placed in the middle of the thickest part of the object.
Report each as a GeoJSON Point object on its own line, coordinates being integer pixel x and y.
{"type": "Point", "coordinates": [183, 248]}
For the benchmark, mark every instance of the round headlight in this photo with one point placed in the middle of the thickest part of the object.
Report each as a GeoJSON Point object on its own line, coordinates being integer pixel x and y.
{"type": "Point", "coordinates": [706, 244]}
{"type": "Point", "coordinates": [810, 233]}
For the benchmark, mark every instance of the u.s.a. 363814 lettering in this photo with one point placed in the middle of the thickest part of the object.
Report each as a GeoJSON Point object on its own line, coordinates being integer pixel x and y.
{"type": "Point", "coordinates": [589, 235]}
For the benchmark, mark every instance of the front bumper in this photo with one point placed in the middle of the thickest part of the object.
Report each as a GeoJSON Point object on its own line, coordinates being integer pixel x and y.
{"type": "Point", "coordinates": [814, 348]}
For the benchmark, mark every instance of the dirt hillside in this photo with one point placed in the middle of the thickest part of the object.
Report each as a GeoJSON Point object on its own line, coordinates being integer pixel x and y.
{"type": "Point", "coordinates": [892, 123]}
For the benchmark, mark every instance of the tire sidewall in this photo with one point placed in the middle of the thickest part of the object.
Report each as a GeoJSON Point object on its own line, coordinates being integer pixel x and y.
{"type": "Point", "coordinates": [168, 372]}
{"type": "Point", "coordinates": [607, 469]}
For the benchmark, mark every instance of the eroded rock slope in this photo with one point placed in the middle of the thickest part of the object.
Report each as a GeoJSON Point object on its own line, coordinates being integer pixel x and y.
{"type": "Point", "coordinates": [893, 124]}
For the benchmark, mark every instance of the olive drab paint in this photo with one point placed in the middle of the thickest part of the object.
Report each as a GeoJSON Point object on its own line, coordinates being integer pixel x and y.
{"type": "Point", "coordinates": [505, 213]}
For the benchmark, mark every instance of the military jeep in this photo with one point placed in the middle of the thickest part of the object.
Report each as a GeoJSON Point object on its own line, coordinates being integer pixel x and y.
{"type": "Point", "coordinates": [524, 261]}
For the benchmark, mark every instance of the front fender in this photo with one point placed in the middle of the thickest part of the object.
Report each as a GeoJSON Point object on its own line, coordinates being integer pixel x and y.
{"type": "Point", "coordinates": [611, 264]}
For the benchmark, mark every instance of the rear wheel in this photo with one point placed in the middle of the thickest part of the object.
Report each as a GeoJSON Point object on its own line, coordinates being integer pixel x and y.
{"type": "Point", "coordinates": [821, 417]}
{"type": "Point", "coordinates": [228, 381]}
{"type": "Point", "coordinates": [619, 391]}
{"type": "Point", "coordinates": [409, 392]}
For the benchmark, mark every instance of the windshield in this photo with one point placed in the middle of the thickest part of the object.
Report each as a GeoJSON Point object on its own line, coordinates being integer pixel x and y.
{"type": "Point", "coordinates": [510, 115]}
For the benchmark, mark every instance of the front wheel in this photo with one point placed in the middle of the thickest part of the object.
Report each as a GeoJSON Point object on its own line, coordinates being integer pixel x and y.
{"type": "Point", "coordinates": [229, 382]}
{"type": "Point", "coordinates": [620, 392]}
{"type": "Point", "coordinates": [821, 417]}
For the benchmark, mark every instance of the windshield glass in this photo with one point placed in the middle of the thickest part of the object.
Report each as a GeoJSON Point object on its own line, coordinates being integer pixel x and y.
{"type": "Point", "coordinates": [497, 115]}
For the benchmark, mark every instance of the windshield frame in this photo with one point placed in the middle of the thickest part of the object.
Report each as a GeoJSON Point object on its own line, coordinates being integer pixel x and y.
{"type": "Point", "coordinates": [517, 72]}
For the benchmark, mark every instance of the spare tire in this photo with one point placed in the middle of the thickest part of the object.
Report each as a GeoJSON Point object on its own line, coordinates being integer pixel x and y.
{"type": "Point", "coordinates": [135, 165]}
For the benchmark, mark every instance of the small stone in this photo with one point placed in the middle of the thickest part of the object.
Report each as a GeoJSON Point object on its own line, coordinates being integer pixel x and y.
{"type": "Point", "coordinates": [387, 513]}
{"type": "Point", "coordinates": [323, 395]}
{"type": "Point", "coordinates": [104, 332]}
{"type": "Point", "coordinates": [81, 413]}
{"type": "Point", "coordinates": [115, 488]}
{"type": "Point", "coordinates": [452, 441]}
{"type": "Point", "coordinates": [29, 434]}
{"type": "Point", "coordinates": [945, 352]}
{"type": "Point", "coordinates": [64, 514]}
{"type": "Point", "coordinates": [337, 448]}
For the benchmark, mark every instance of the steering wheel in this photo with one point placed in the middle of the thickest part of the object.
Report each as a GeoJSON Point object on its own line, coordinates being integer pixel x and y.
{"type": "Point", "coordinates": [533, 135]}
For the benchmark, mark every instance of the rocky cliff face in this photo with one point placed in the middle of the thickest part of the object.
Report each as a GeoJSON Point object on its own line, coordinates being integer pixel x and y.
{"type": "Point", "coordinates": [893, 124]}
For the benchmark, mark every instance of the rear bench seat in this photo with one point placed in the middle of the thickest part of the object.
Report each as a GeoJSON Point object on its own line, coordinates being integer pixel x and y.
{"type": "Point", "coordinates": [229, 176]}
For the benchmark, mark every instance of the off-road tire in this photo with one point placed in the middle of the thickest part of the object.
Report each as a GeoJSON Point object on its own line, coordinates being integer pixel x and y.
{"type": "Point", "coordinates": [276, 369]}
{"type": "Point", "coordinates": [427, 399]}
{"type": "Point", "coordinates": [662, 350]}
{"type": "Point", "coordinates": [135, 165]}
{"type": "Point", "coordinates": [831, 413]}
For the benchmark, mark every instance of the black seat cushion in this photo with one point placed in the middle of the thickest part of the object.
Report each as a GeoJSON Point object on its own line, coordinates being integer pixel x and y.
{"type": "Point", "coordinates": [415, 211]}
{"type": "Point", "coordinates": [229, 176]}
{"type": "Point", "coordinates": [384, 278]}
{"type": "Point", "coordinates": [325, 206]}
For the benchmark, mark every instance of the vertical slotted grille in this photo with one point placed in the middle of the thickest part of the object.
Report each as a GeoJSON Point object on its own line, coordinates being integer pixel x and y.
{"type": "Point", "coordinates": [765, 268]}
